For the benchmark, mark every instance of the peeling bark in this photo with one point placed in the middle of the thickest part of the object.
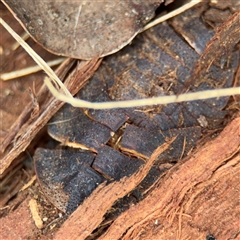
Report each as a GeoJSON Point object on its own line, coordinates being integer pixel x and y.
{"type": "Point", "coordinates": [197, 197]}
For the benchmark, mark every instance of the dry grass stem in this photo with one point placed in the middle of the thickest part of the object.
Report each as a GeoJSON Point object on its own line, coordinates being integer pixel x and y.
{"type": "Point", "coordinates": [142, 102]}
{"type": "Point", "coordinates": [36, 58]}
{"type": "Point", "coordinates": [171, 14]}
{"type": "Point", "coordinates": [24, 37]}
{"type": "Point", "coordinates": [29, 70]}
{"type": "Point", "coordinates": [29, 183]}
{"type": "Point", "coordinates": [67, 97]}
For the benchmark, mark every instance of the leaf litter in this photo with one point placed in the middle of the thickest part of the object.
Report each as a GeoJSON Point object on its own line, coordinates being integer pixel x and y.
{"type": "Point", "coordinates": [138, 118]}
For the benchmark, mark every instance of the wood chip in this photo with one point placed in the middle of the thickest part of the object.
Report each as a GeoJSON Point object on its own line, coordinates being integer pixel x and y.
{"type": "Point", "coordinates": [35, 214]}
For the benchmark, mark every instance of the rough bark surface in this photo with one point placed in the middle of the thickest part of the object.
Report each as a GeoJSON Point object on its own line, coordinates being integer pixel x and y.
{"type": "Point", "coordinates": [197, 197]}
{"type": "Point", "coordinates": [85, 219]}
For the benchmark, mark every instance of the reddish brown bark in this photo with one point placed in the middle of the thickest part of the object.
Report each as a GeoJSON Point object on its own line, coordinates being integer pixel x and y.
{"type": "Point", "coordinates": [197, 197]}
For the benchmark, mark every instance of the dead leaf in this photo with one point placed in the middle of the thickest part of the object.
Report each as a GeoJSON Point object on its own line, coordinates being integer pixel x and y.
{"type": "Point", "coordinates": [49, 106]}
{"type": "Point", "coordinates": [158, 62]}
{"type": "Point", "coordinates": [81, 29]}
{"type": "Point", "coordinates": [87, 219]}
{"type": "Point", "coordinates": [204, 186]}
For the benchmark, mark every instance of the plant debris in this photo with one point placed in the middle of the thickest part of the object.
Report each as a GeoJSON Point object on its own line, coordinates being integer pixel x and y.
{"type": "Point", "coordinates": [79, 27]}
{"type": "Point", "coordinates": [173, 191]}
{"type": "Point", "coordinates": [158, 62]}
{"type": "Point", "coordinates": [49, 106]}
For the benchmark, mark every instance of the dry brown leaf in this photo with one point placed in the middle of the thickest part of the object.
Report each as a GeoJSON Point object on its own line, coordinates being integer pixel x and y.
{"type": "Point", "coordinates": [83, 29]}
{"type": "Point", "coordinates": [205, 185]}
{"type": "Point", "coordinates": [49, 106]}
